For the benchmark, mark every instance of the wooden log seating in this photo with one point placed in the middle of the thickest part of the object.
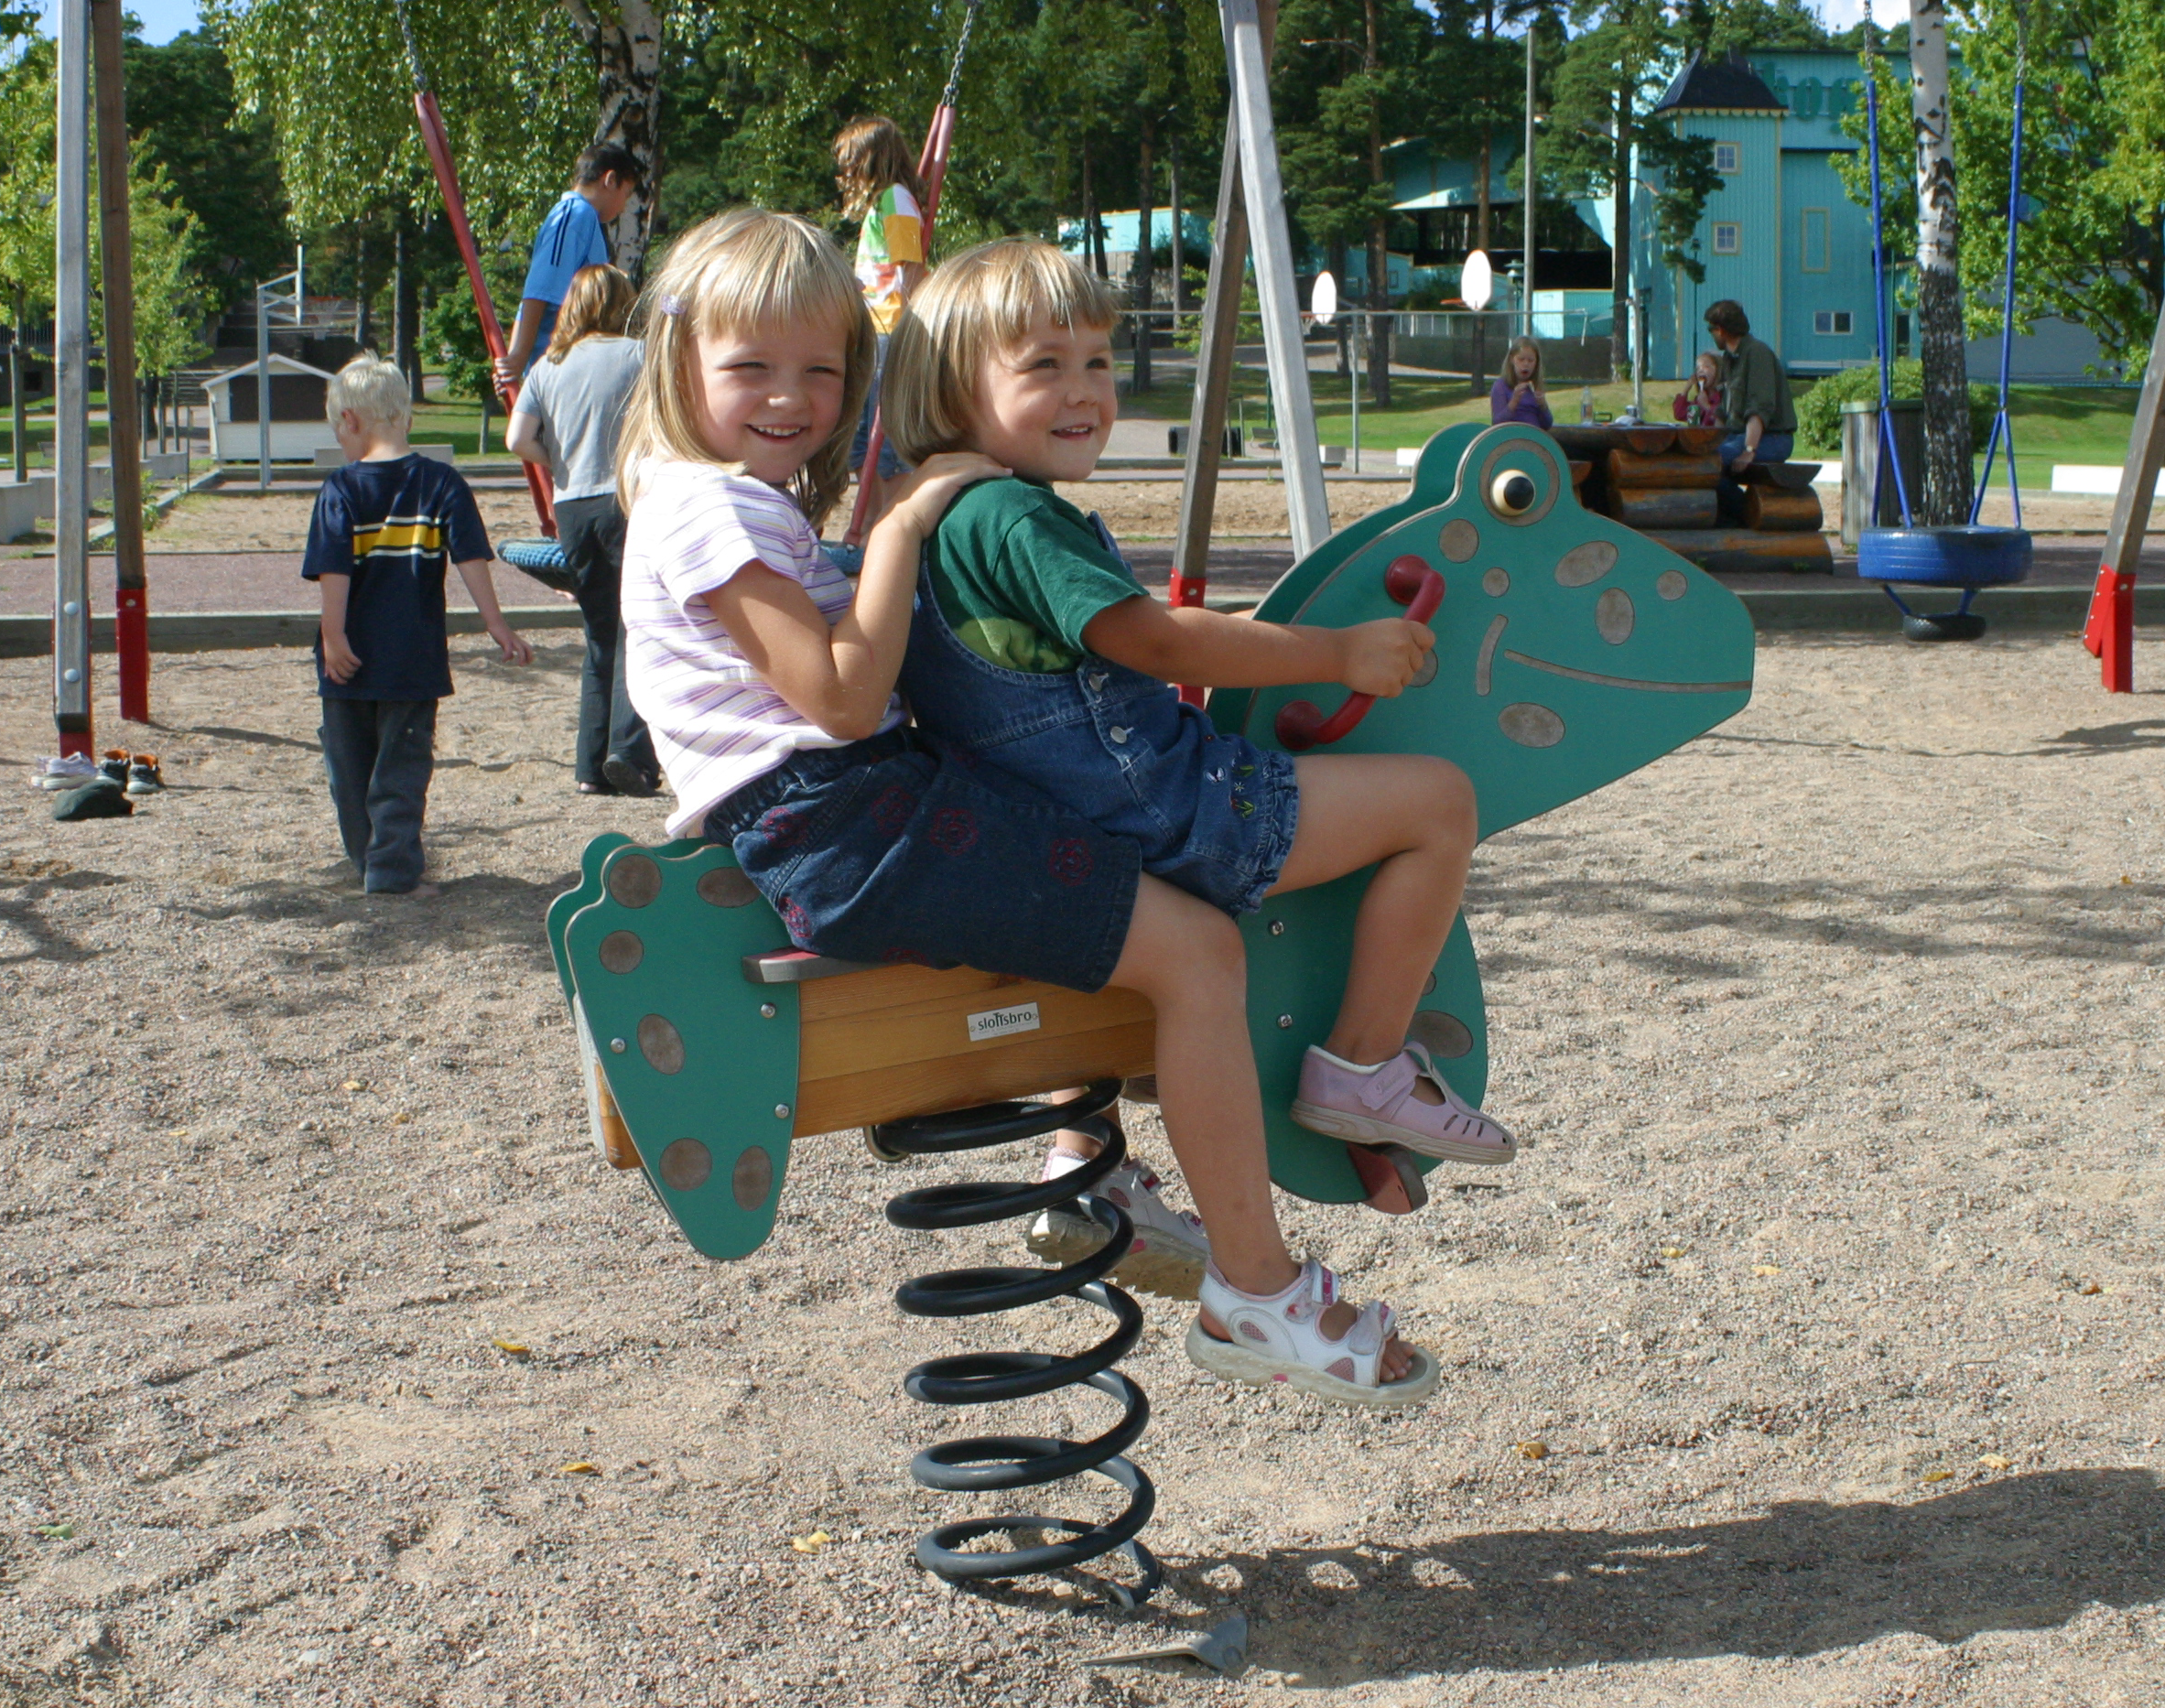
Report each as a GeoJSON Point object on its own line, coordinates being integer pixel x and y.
{"type": "Point", "coordinates": [1662, 481]}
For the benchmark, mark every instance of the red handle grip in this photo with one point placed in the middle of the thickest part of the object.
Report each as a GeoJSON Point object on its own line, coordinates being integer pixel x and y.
{"type": "Point", "coordinates": [1300, 725]}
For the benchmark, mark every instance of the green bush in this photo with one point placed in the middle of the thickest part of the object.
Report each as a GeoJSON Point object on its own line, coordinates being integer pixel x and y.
{"type": "Point", "coordinates": [1819, 410]}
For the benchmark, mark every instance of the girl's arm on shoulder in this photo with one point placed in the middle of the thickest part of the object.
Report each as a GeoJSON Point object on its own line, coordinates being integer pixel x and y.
{"type": "Point", "coordinates": [1212, 649]}
{"type": "Point", "coordinates": [841, 677]}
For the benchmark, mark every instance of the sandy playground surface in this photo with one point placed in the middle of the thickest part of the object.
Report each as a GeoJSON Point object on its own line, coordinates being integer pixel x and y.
{"type": "Point", "coordinates": [242, 519]}
{"type": "Point", "coordinates": [1812, 1352]}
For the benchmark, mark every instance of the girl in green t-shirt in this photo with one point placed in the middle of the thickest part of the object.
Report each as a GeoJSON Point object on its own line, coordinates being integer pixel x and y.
{"type": "Point", "coordinates": [1034, 653]}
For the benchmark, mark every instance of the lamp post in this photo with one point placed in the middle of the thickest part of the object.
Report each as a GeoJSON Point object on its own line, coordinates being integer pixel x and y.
{"type": "Point", "coordinates": [1532, 202]}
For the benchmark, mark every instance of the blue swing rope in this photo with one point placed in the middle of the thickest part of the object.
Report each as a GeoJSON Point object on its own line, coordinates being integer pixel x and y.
{"type": "Point", "coordinates": [2003, 429]}
{"type": "Point", "coordinates": [1888, 456]}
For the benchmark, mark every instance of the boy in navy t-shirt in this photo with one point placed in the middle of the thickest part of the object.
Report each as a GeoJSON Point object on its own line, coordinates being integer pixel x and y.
{"type": "Point", "coordinates": [383, 528]}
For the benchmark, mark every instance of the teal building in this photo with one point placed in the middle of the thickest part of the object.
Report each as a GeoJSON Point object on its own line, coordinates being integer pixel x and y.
{"type": "Point", "coordinates": [1780, 235]}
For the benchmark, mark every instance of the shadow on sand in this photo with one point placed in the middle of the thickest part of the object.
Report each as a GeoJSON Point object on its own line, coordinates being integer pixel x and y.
{"type": "Point", "coordinates": [2018, 1553]}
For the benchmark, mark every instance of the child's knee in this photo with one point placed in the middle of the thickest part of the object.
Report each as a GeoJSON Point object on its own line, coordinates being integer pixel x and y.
{"type": "Point", "coordinates": [1450, 794]}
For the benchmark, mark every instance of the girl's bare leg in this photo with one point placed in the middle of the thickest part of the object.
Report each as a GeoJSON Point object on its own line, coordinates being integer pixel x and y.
{"type": "Point", "coordinates": [1186, 956]}
{"type": "Point", "coordinates": [1412, 817]}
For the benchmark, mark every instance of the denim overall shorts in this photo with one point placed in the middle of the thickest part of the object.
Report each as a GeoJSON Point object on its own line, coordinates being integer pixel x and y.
{"type": "Point", "coordinates": [1213, 813]}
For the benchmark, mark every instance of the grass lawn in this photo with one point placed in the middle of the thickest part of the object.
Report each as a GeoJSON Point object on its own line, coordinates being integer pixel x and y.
{"type": "Point", "coordinates": [2052, 423]}
{"type": "Point", "coordinates": [455, 424]}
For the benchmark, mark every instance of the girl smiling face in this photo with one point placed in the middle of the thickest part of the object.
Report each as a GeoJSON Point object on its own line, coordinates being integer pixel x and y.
{"type": "Point", "coordinates": [1045, 407]}
{"type": "Point", "coordinates": [771, 398]}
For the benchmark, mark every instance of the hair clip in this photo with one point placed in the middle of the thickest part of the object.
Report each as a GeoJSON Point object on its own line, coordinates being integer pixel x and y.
{"type": "Point", "coordinates": [668, 302]}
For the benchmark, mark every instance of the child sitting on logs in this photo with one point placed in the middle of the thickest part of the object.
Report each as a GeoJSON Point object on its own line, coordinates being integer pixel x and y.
{"type": "Point", "coordinates": [1036, 652]}
{"type": "Point", "coordinates": [1700, 403]}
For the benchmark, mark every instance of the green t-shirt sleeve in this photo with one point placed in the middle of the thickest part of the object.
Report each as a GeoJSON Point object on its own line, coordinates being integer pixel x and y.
{"type": "Point", "coordinates": [1020, 572]}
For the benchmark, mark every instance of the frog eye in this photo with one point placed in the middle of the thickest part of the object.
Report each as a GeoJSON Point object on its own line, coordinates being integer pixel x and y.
{"type": "Point", "coordinates": [1512, 492]}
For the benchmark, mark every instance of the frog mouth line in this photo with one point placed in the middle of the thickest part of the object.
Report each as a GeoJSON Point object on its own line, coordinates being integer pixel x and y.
{"type": "Point", "coordinates": [1626, 682]}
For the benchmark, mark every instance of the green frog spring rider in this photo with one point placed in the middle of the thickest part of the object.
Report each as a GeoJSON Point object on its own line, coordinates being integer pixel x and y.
{"type": "Point", "coordinates": [1569, 652]}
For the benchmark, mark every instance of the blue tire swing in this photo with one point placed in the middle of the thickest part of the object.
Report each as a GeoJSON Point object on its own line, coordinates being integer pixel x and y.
{"type": "Point", "coordinates": [1970, 557]}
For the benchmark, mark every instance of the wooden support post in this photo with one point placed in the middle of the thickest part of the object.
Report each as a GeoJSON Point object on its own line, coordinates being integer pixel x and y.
{"type": "Point", "coordinates": [1214, 371]}
{"type": "Point", "coordinates": [1306, 503]}
{"type": "Point", "coordinates": [71, 441]}
{"type": "Point", "coordinates": [2110, 632]}
{"type": "Point", "coordinates": [124, 417]}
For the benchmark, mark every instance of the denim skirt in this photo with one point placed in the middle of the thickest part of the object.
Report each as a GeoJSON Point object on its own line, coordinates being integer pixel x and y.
{"type": "Point", "coordinates": [901, 849]}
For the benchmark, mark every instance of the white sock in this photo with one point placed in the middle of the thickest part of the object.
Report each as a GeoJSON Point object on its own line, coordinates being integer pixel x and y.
{"type": "Point", "coordinates": [1058, 1162]}
{"type": "Point", "coordinates": [1352, 1067]}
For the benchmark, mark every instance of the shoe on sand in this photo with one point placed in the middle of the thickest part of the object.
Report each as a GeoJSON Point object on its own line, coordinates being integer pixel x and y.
{"type": "Point", "coordinates": [1381, 1106]}
{"type": "Point", "coordinates": [65, 770]}
{"type": "Point", "coordinates": [1170, 1247]}
{"type": "Point", "coordinates": [627, 777]}
{"type": "Point", "coordinates": [144, 776]}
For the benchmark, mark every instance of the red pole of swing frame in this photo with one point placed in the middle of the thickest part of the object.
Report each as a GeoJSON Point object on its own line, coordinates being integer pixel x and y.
{"type": "Point", "coordinates": [438, 143]}
{"type": "Point", "coordinates": [932, 171]}
{"type": "Point", "coordinates": [2109, 633]}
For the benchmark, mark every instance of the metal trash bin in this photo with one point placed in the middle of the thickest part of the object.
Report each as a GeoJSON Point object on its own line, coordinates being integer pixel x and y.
{"type": "Point", "coordinates": [1860, 464]}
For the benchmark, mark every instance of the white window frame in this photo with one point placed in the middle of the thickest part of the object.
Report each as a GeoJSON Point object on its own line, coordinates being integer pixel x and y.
{"type": "Point", "coordinates": [1831, 322]}
{"type": "Point", "coordinates": [1734, 233]}
{"type": "Point", "coordinates": [1823, 218]}
{"type": "Point", "coordinates": [1735, 156]}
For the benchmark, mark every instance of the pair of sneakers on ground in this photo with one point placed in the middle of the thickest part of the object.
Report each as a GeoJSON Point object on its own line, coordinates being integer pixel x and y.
{"type": "Point", "coordinates": [135, 773]}
{"type": "Point", "coordinates": [1281, 1338]}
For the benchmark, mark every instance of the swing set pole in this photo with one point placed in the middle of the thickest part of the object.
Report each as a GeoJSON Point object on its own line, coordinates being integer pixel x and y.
{"type": "Point", "coordinates": [437, 142]}
{"type": "Point", "coordinates": [2109, 634]}
{"type": "Point", "coordinates": [932, 172]}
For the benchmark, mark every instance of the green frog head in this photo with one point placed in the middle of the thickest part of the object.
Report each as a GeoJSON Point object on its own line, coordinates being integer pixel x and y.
{"type": "Point", "coordinates": [1570, 651]}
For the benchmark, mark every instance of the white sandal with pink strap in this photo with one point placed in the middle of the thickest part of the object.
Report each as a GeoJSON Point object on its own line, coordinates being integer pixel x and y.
{"type": "Point", "coordinates": [1279, 1337]}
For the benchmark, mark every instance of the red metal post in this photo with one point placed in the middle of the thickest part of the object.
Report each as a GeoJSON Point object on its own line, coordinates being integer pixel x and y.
{"type": "Point", "coordinates": [2109, 633]}
{"type": "Point", "coordinates": [438, 145]}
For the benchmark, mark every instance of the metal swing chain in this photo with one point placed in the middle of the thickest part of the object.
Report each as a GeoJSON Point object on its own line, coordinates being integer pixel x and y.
{"type": "Point", "coordinates": [954, 88]}
{"type": "Point", "coordinates": [1890, 457]}
{"type": "Point", "coordinates": [413, 51]}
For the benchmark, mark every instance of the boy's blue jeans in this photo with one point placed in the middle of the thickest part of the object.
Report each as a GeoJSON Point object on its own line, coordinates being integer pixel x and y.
{"type": "Point", "coordinates": [380, 755]}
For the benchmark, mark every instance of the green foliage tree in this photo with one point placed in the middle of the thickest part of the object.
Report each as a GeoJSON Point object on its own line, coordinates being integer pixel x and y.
{"type": "Point", "coordinates": [1898, 184]}
{"type": "Point", "coordinates": [168, 295]}
{"type": "Point", "coordinates": [2090, 250]}
{"type": "Point", "coordinates": [219, 163]}
{"type": "Point", "coordinates": [1350, 75]}
{"type": "Point", "coordinates": [1604, 139]}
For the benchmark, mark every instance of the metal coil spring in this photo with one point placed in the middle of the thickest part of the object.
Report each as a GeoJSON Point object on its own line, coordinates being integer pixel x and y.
{"type": "Point", "coordinates": [999, 1462]}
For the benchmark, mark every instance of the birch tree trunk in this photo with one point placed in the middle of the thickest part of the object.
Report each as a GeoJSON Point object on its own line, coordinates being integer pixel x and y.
{"type": "Point", "coordinates": [625, 39]}
{"type": "Point", "coordinates": [1946, 484]}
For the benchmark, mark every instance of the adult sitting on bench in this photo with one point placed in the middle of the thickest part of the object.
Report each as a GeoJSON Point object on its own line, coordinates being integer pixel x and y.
{"type": "Point", "coordinates": [1757, 416]}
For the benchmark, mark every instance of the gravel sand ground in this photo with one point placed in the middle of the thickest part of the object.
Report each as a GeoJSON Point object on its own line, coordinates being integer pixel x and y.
{"type": "Point", "coordinates": [1812, 1352]}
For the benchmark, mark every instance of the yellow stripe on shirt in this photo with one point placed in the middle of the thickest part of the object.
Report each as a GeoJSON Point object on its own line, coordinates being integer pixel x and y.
{"type": "Point", "coordinates": [398, 536]}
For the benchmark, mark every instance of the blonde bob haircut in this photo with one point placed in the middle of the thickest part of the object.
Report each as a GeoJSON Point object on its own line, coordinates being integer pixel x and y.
{"type": "Point", "coordinates": [597, 304]}
{"type": "Point", "coordinates": [967, 311]}
{"type": "Point", "coordinates": [742, 272]}
{"type": "Point", "coordinates": [374, 390]}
